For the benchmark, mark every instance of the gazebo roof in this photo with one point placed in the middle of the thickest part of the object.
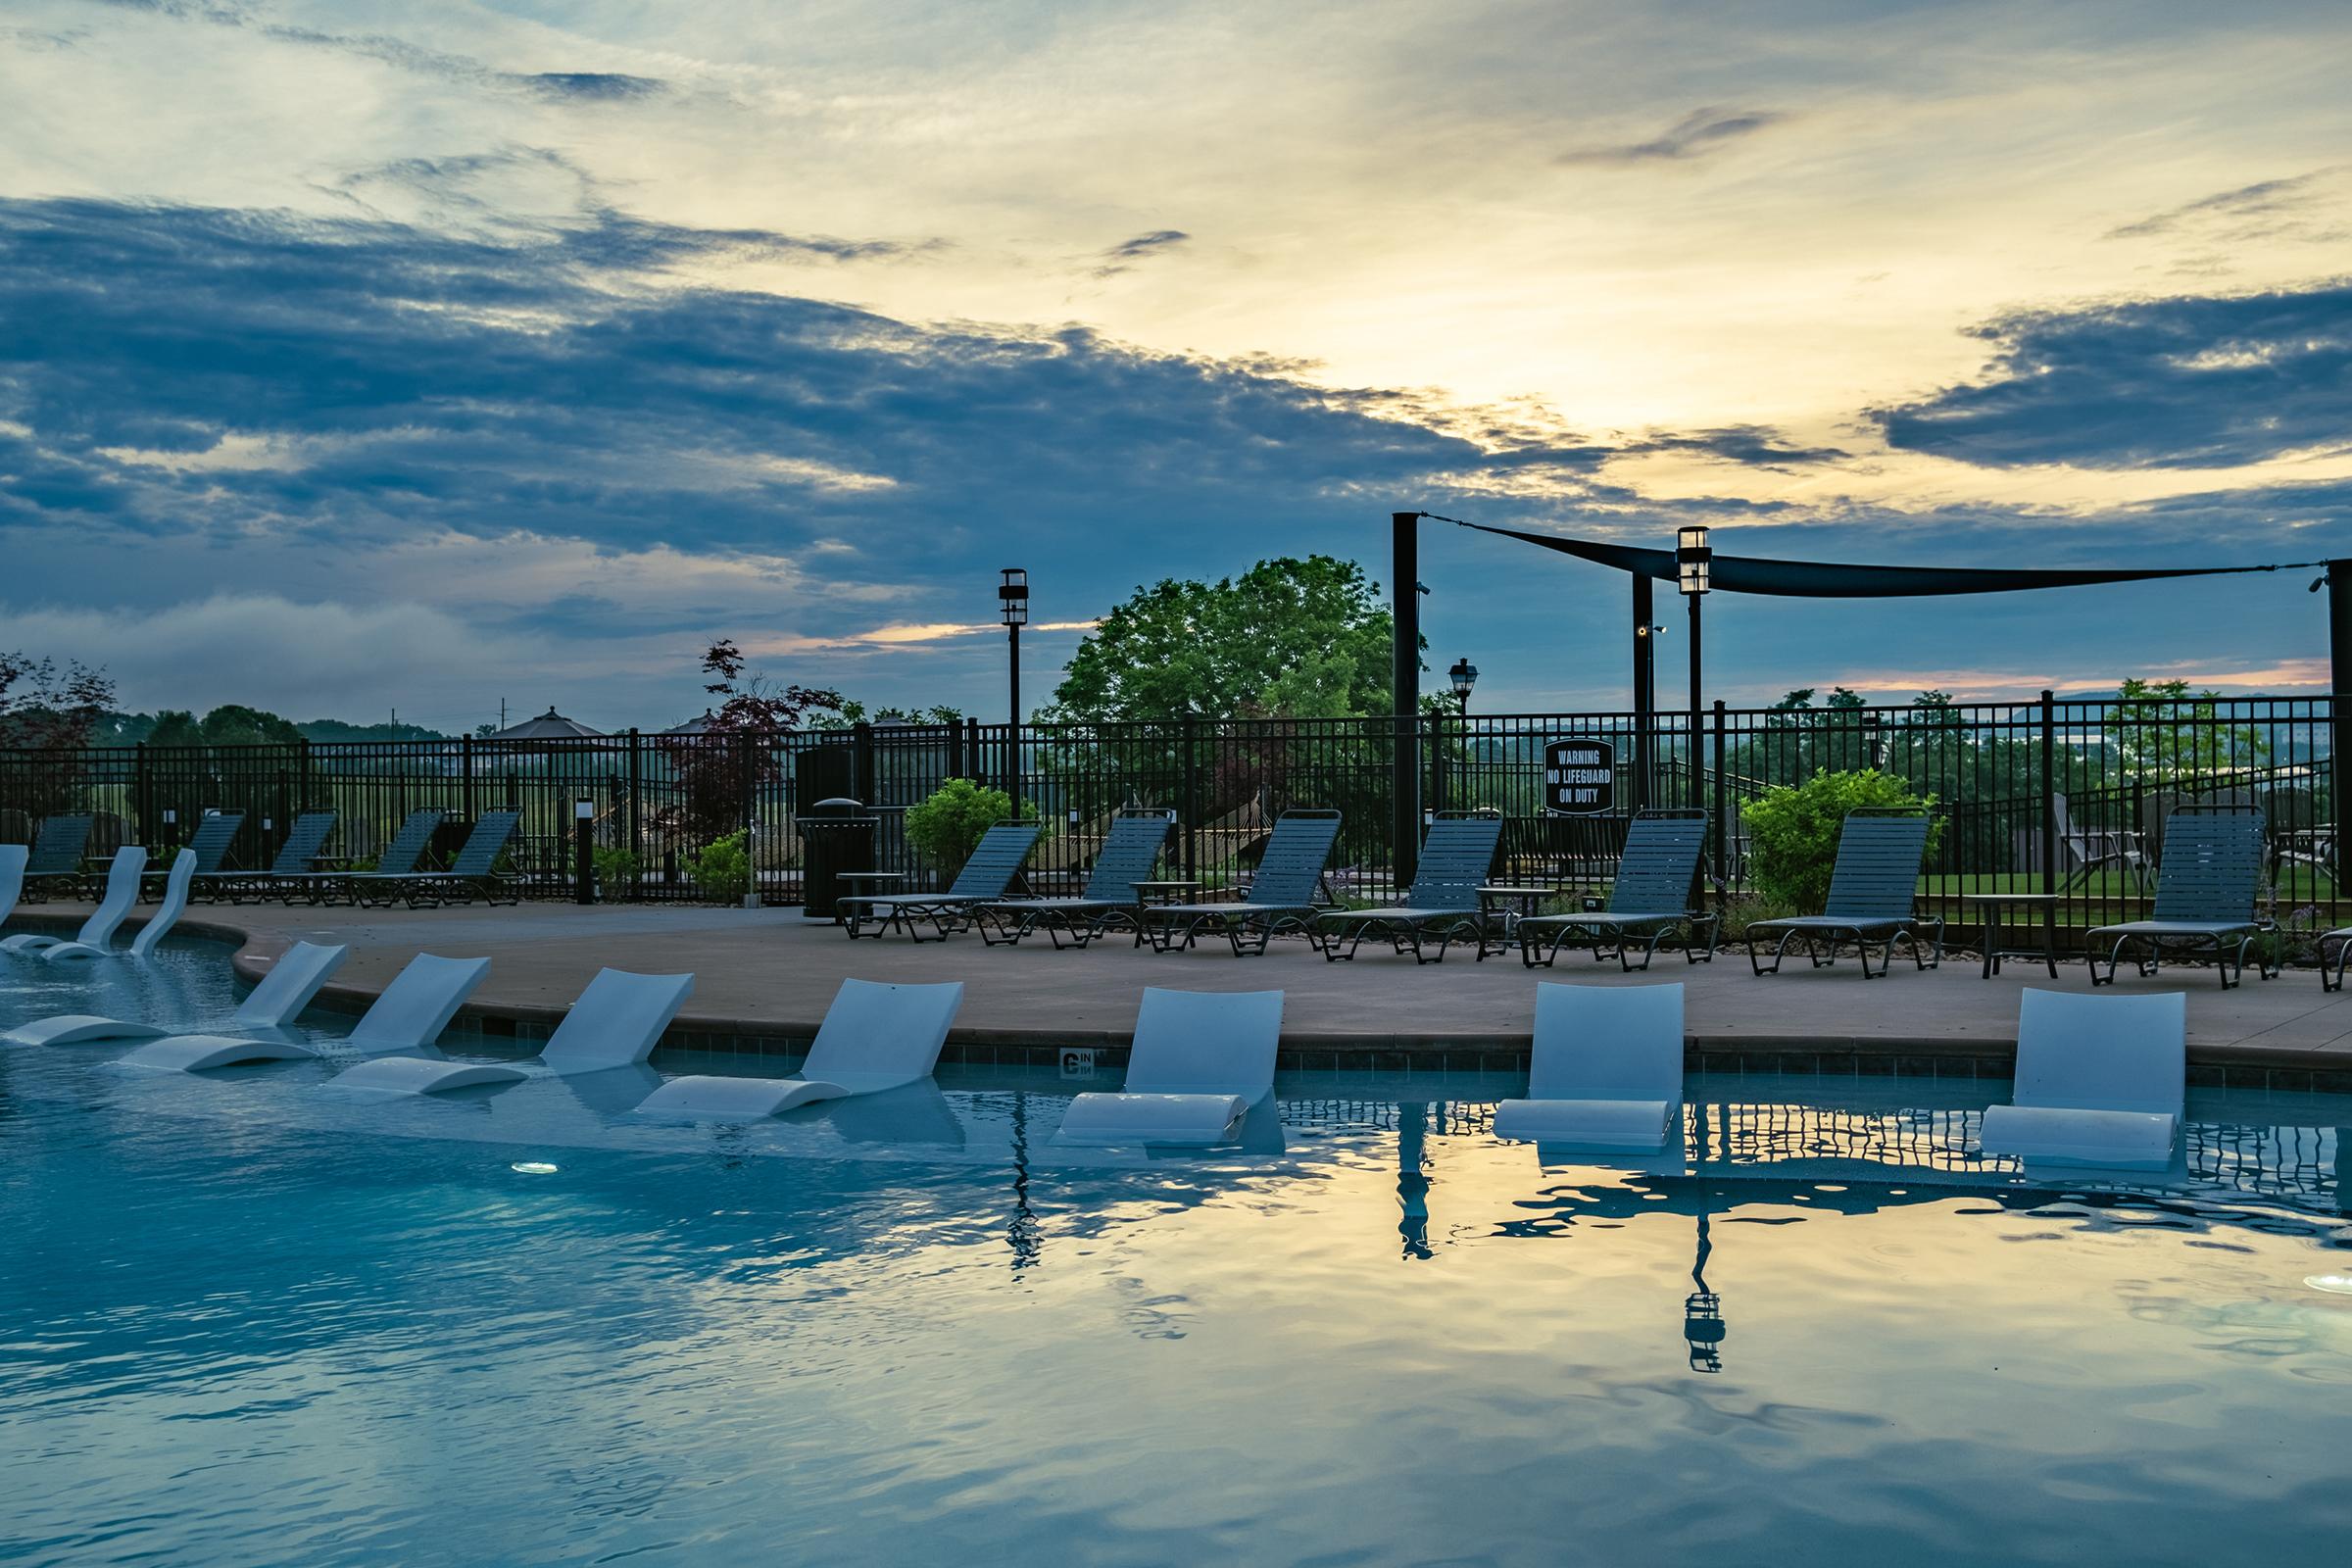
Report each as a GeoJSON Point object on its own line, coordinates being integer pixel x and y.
{"type": "Point", "coordinates": [694, 727]}
{"type": "Point", "coordinates": [549, 726]}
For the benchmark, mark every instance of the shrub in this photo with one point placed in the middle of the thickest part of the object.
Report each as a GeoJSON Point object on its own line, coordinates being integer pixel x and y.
{"type": "Point", "coordinates": [947, 827]}
{"type": "Point", "coordinates": [616, 872]}
{"type": "Point", "coordinates": [1740, 913]}
{"type": "Point", "coordinates": [722, 871]}
{"type": "Point", "coordinates": [1792, 831]}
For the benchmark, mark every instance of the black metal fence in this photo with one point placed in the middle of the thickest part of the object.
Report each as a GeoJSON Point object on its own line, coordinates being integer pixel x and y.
{"type": "Point", "coordinates": [2068, 798]}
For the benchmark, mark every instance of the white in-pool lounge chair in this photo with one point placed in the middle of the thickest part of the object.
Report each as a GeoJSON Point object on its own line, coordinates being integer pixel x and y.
{"type": "Point", "coordinates": [2099, 1081]}
{"type": "Point", "coordinates": [409, 1015]}
{"type": "Point", "coordinates": [13, 857]}
{"type": "Point", "coordinates": [121, 892]}
{"type": "Point", "coordinates": [615, 1023]}
{"type": "Point", "coordinates": [1201, 1059]}
{"type": "Point", "coordinates": [874, 1037]}
{"type": "Point", "coordinates": [272, 1004]}
{"type": "Point", "coordinates": [1607, 1071]}
{"type": "Point", "coordinates": [145, 940]}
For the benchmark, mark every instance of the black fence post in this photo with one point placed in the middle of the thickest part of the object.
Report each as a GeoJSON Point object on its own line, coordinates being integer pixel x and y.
{"type": "Point", "coordinates": [465, 777]}
{"type": "Point", "coordinates": [2050, 798]}
{"type": "Point", "coordinates": [1187, 735]}
{"type": "Point", "coordinates": [862, 764]}
{"type": "Point", "coordinates": [1405, 696]}
{"type": "Point", "coordinates": [1717, 830]}
{"type": "Point", "coordinates": [2339, 724]}
{"type": "Point", "coordinates": [636, 789]}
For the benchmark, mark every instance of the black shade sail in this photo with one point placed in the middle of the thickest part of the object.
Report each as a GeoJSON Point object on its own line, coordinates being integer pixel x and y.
{"type": "Point", "coordinates": [1825, 579]}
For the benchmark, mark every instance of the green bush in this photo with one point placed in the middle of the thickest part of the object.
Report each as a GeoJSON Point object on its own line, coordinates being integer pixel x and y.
{"type": "Point", "coordinates": [1741, 913]}
{"type": "Point", "coordinates": [722, 871]}
{"type": "Point", "coordinates": [1792, 831]}
{"type": "Point", "coordinates": [616, 872]}
{"type": "Point", "coordinates": [946, 829]}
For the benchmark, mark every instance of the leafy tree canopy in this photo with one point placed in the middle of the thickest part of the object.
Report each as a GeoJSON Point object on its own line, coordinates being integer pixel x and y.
{"type": "Point", "coordinates": [1289, 638]}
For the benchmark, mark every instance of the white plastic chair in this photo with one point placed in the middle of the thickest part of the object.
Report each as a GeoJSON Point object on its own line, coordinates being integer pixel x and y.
{"type": "Point", "coordinates": [1201, 1059]}
{"type": "Point", "coordinates": [615, 1023]}
{"type": "Point", "coordinates": [1605, 1072]}
{"type": "Point", "coordinates": [876, 1037]}
{"type": "Point", "coordinates": [409, 1015]}
{"type": "Point", "coordinates": [275, 1002]}
{"type": "Point", "coordinates": [121, 892]}
{"type": "Point", "coordinates": [2100, 1081]}
{"type": "Point", "coordinates": [12, 858]}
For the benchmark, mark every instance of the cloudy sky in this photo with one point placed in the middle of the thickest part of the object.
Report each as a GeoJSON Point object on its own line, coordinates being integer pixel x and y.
{"type": "Point", "coordinates": [357, 356]}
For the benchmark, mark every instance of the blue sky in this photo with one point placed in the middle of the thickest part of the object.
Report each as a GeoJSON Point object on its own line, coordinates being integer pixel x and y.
{"type": "Point", "coordinates": [423, 355]}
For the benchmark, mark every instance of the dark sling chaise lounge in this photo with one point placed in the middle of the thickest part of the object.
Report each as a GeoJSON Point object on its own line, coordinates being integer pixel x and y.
{"type": "Point", "coordinates": [2206, 886]}
{"type": "Point", "coordinates": [1872, 890]}
{"type": "Point", "coordinates": [1280, 896]}
{"type": "Point", "coordinates": [1457, 854]}
{"type": "Point", "coordinates": [1649, 900]}
{"type": "Point", "coordinates": [986, 877]}
{"type": "Point", "coordinates": [1128, 854]}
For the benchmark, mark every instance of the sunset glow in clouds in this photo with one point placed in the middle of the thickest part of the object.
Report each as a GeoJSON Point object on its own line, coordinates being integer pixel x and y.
{"type": "Point", "coordinates": [544, 338]}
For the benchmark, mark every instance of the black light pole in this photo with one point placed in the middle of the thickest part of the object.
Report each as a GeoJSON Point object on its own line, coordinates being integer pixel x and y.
{"type": "Point", "coordinates": [583, 819]}
{"type": "Point", "coordinates": [1690, 558]}
{"type": "Point", "coordinates": [1464, 675]}
{"type": "Point", "coordinates": [1645, 691]}
{"type": "Point", "coordinates": [1012, 603]}
{"type": "Point", "coordinates": [1404, 694]}
{"type": "Point", "coordinates": [2339, 706]}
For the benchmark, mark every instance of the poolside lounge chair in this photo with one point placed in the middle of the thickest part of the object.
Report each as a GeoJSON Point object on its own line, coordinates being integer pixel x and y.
{"type": "Point", "coordinates": [2206, 886]}
{"type": "Point", "coordinates": [399, 859]}
{"type": "Point", "coordinates": [1607, 1070]}
{"type": "Point", "coordinates": [12, 877]}
{"type": "Point", "coordinates": [297, 858]}
{"type": "Point", "coordinates": [875, 1038]}
{"type": "Point", "coordinates": [985, 878]}
{"type": "Point", "coordinates": [409, 1015]}
{"type": "Point", "coordinates": [1280, 896]}
{"type": "Point", "coordinates": [1649, 898]}
{"type": "Point", "coordinates": [292, 981]}
{"type": "Point", "coordinates": [1201, 1059]}
{"type": "Point", "coordinates": [56, 854]}
{"type": "Point", "coordinates": [474, 869]}
{"type": "Point", "coordinates": [1129, 852]}
{"type": "Point", "coordinates": [2092, 849]}
{"type": "Point", "coordinates": [121, 892]}
{"type": "Point", "coordinates": [2099, 1080]}
{"type": "Point", "coordinates": [159, 925]}
{"type": "Point", "coordinates": [1457, 854]}
{"type": "Point", "coordinates": [214, 832]}
{"type": "Point", "coordinates": [615, 1024]}
{"type": "Point", "coordinates": [1872, 891]}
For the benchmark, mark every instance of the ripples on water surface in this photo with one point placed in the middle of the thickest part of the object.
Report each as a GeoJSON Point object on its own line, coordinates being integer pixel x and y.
{"type": "Point", "coordinates": [243, 1323]}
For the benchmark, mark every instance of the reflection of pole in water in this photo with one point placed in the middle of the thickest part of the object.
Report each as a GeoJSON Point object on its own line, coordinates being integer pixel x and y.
{"type": "Point", "coordinates": [1412, 1188]}
{"type": "Point", "coordinates": [1702, 1309]}
{"type": "Point", "coordinates": [1022, 1234]}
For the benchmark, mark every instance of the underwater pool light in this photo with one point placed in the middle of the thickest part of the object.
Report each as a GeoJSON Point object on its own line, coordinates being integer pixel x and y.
{"type": "Point", "coordinates": [2334, 1284]}
{"type": "Point", "coordinates": [532, 1167]}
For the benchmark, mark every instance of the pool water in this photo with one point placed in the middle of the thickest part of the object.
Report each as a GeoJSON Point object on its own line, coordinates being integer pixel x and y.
{"type": "Point", "coordinates": [242, 1321]}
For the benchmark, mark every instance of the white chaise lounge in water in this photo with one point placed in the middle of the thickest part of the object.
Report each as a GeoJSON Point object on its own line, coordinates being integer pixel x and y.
{"type": "Point", "coordinates": [1606, 1069]}
{"type": "Point", "coordinates": [2099, 1081]}
{"type": "Point", "coordinates": [409, 1015]}
{"type": "Point", "coordinates": [1201, 1059]}
{"type": "Point", "coordinates": [121, 892]}
{"type": "Point", "coordinates": [874, 1037]}
{"type": "Point", "coordinates": [615, 1023]}
{"type": "Point", "coordinates": [12, 877]}
{"type": "Point", "coordinates": [272, 1004]}
{"type": "Point", "coordinates": [144, 941]}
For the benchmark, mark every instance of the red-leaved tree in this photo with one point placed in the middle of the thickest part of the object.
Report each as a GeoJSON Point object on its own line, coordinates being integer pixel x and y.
{"type": "Point", "coordinates": [736, 751]}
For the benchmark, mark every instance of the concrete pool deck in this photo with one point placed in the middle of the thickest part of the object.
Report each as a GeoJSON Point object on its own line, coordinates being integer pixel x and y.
{"type": "Point", "coordinates": [763, 978]}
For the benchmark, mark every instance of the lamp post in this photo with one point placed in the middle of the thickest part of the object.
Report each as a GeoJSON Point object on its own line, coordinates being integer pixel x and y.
{"type": "Point", "coordinates": [1690, 558]}
{"type": "Point", "coordinates": [1464, 675]}
{"type": "Point", "coordinates": [583, 813]}
{"type": "Point", "coordinates": [1012, 604]}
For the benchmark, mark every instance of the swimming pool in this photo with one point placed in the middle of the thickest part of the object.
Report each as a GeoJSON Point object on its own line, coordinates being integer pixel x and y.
{"type": "Point", "coordinates": [247, 1322]}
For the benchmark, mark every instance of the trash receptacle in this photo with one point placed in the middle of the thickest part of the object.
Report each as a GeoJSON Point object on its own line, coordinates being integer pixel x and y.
{"type": "Point", "coordinates": [836, 836]}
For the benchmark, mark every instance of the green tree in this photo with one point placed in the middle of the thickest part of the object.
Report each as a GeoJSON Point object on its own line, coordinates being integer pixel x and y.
{"type": "Point", "coordinates": [235, 724]}
{"type": "Point", "coordinates": [1289, 638]}
{"type": "Point", "coordinates": [175, 726]}
{"type": "Point", "coordinates": [2167, 733]}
